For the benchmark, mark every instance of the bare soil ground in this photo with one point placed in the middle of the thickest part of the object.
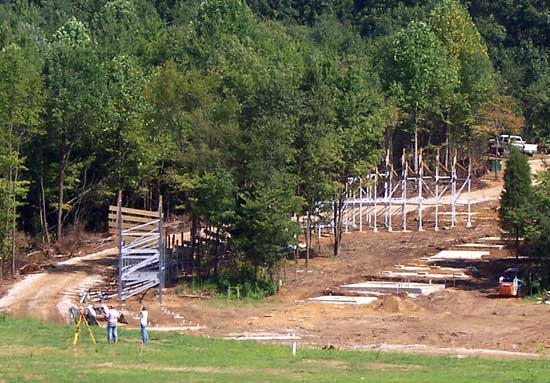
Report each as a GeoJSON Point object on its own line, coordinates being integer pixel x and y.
{"type": "Point", "coordinates": [465, 315]}
{"type": "Point", "coordinates": [47, 295]}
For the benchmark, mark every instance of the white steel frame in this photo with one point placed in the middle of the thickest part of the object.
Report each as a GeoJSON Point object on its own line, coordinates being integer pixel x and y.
{"type": "Point", "coordinates": [433, 185]}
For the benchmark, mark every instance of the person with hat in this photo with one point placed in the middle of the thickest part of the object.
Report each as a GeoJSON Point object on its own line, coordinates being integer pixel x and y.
{"type": "Point", "coordinates": [143, 317]}
{"type": "Point", "coordinates": [112, 319]}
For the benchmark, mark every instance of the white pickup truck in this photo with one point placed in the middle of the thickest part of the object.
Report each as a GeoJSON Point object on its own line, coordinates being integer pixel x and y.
{"type": "Point", "coordinates": [504, 142]}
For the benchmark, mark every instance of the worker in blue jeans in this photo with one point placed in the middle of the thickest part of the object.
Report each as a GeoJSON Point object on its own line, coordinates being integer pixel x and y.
{"type": "Point", "coordinates": [112, 320]}
{"type": "Point", "coordinates": [143, 317]}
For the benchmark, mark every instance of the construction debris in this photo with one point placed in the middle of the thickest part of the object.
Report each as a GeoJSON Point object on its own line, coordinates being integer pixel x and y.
{"type": "Point", "coordinates": [176, 329]}
{"type": "Point", "coordinates": [263, 336]}
{"type": "Point", "coordinates": [343, 300]}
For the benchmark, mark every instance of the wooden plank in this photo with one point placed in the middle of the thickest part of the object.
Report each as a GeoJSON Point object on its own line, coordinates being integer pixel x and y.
{"type": "Point", "coordinates": [130, 218]}
{"type": "Point", "coordinates": [143, 276]}
{"type": "Point", "coordinates": [138, 212]}
{"type": "Point", "coordinates": [129, 225]}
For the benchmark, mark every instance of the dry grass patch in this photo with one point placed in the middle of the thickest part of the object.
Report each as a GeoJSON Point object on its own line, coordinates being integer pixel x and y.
{"type": "Point", "coordinates": [393, 366]}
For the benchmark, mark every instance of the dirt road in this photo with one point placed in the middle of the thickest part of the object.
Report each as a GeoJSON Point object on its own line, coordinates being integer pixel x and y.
{"type": "Point", "coordinates": [47, 295]}
{"type": "Point", "coordinates": [492, 192]}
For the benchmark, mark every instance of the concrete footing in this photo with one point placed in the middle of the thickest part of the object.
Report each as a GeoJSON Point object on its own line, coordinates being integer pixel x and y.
{"type": "Point", "coordinates": [395, 287]}
{"type": "Point", "coordinates": [422, 275]}
{"type": "Point", "coordinates": [482, 246]}
{"type": "Point", "coordinates": [458, 255]}
{"type": "Point", "coordinates": [343, 300]}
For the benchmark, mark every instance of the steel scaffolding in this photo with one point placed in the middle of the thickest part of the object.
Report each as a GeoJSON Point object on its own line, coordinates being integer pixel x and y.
{"type": "Point", "coordinates": [139, 237]}
{"type": "Point", "coordinates": [374, 202]}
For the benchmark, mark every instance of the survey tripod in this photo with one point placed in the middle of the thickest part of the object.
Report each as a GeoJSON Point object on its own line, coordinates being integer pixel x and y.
{"type": "Point", "coordinates": [82, 318]}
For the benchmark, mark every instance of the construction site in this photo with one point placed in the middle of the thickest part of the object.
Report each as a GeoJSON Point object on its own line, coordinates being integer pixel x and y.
{"type": "Point", "coordinates": [418, 272]}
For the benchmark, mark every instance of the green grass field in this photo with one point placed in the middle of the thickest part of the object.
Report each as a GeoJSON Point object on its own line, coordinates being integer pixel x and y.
{"type": "Point", "coordinates": [32, 351]}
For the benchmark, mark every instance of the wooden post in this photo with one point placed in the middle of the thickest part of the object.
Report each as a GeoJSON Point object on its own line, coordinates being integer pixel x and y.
{"type": "Point", "coordinates": [386, 189]}
{"type": "Point", "coordinates": [161, 252]}
{"type": "Point", "coordinates": [469, 222]}
{"type": "Point", "coordinates": [437, 191]}
{"type": "Point", "coordinates": [404, 175]}
{"type": "Point", "coordinates": [420, 174]}
{"type": "Point", "coordinates": [390, 194]}
{"type": "Point", "coordinates": [120, 244]}
{"type": "Point", "coordinates": [375, 228]}
{"type": "Point", "coordinates": [344, 210]}
{"type": "Point", "coordinates": [453, 191]}
{"type": "Point", "coordinates": [360, 205]}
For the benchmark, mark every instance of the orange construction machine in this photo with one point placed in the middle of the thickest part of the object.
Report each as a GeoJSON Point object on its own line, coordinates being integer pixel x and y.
{"type": "Point", "coordinates": [509, 284]}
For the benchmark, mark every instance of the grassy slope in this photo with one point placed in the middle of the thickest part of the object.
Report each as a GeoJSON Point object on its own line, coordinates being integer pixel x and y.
{"type": "Point", "coordinates": [32, 351]}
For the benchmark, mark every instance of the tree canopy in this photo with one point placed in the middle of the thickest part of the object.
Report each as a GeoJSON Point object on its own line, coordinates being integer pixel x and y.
{"type": "Point", "coordinates": [243, 114]}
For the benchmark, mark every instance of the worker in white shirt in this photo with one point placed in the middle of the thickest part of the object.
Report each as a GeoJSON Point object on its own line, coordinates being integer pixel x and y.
{"type": "Point", "coordinates": [143, 317]}
{"type": "Point", "coordinates": [112, 319]}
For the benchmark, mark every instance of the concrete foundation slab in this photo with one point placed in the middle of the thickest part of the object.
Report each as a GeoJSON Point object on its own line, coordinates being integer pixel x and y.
{"type": "Point", "coordinates": [343, 300]}
{"type": "Point", "coordinates": [432, 269]}
{"type": "Point", "coordinates": [425, 275]}
{"type": "Point", "coordinates": [491, 239]}
{"type": "Point", "coordinates": [482, 245]}
{"type": "Point", "coordinates": [458, 255]}
{"type": "Point", "coordinates": [395, 287]}
{"type": "Point", "coordinates": [499, 239]}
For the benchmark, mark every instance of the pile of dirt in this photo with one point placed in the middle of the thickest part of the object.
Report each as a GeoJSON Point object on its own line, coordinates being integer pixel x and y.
{"type": "Point", "coordinates": [395, 305]}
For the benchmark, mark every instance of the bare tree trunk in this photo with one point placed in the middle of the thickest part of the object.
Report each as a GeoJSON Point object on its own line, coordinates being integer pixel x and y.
{"type": "Point", "coordinates": [44, 216]}
{"type": "Point", "coordinates": [9, 232]}
{"type": "Point", "coordinates": [61, 186]}
{"type": "Point", "coordinates": [10, 191]}
{"type": "Point", "coordinates": [447, 149]}
{"type": "Point", "coordinates": [338, 215]}
{"type": "Point", "coordinates": [517, 243]}
{"type": "Point", "coordinates": [217, 251]}
{"type": "Point", "coordinates": [80, 197]}
{"type": "Point", "coordinates": [308, 235]}
{"type": "Point", "coordinates": [1, 265]}
{"type": "Point", "coordinates": [193, 232]}
{"type": "Point", "coordinates": [14, 217]}
{"type": "Point", "coordinates": [415, 141]}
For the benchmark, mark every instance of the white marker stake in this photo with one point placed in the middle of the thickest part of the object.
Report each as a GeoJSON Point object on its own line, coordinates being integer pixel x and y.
{"type": "Point", "coordinates": [293, 348]}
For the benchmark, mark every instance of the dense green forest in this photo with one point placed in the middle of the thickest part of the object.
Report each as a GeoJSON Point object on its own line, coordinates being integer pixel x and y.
{"type": "Point", "coordinates": [243, 114]}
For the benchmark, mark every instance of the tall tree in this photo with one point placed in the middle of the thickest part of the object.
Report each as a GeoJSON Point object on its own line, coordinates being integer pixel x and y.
{"type": "Point", "coordinates": [129, 148]}
{"type": "Point", "coordinates": [71, 76]}
{"type": "Point", "coordinates": [315, 142]}
{"type": "Point", "coordinates": [21, 102]}
{"type": "Point", "coordinates": [537, 233]}
{"type": "Point", "coordinates": [467, 53]}
{"type": "Point", "coordinates": [362, 115]}
{"type": "Point", "coordinates": [515, 200]}
{"type": "Point", "coordinates": [417, 72]}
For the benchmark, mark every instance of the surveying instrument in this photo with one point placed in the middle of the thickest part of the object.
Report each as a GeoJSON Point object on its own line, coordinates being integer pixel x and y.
{"type": "Point", "coordinates": [82, 318]}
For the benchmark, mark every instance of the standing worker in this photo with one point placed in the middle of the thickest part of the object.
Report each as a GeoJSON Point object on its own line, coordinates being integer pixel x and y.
{"type": "Point", "coordinates": [143, 317]}
{"type": "Point", "coordinates": [112, 318]}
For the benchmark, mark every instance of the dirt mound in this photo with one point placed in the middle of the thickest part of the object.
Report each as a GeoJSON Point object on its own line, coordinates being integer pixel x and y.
{"type": "Point", "coordinates": [395, 304]}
